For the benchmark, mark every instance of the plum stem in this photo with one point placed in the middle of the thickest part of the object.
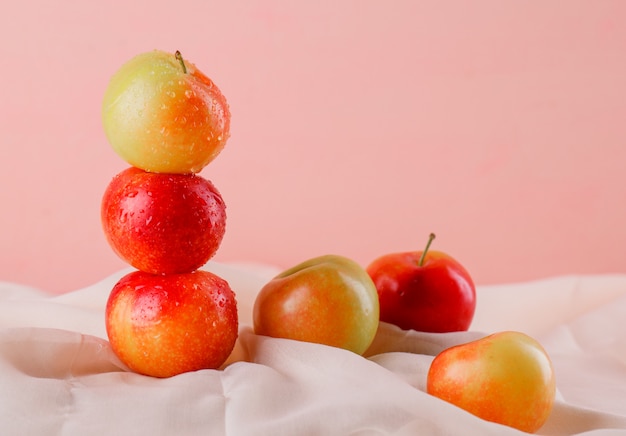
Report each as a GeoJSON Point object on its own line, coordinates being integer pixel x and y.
{"type": "Point", "coordinates": [181, 60]}
{"type": "Point", "coordinates": [423, 256]}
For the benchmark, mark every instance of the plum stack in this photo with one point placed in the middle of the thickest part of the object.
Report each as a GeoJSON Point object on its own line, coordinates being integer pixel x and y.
{"type": "Point", "coordinates": [168, 121]}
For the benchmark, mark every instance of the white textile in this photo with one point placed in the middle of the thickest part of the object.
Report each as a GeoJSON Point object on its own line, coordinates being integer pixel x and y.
{"type": "Point", "coordinates": [58, 375]}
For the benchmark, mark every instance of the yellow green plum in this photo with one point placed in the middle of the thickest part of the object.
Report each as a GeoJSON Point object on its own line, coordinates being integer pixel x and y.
{"type": "Point", "coordinates": [162, 114]}
{"type": "Point", "coordinates": [506, 377]}
{"type": "Point", "coordinates": [328, 300]}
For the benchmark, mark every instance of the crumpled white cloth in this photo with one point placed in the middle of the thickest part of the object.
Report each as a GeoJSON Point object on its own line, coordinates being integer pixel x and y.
{"type": "Point", "coordinates": [58, 375]}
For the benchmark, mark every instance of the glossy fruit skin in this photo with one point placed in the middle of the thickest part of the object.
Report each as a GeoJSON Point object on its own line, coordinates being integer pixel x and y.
{"type": "Point", "coordinates": [159, 118]}
{"type": "Point", "coordinates": [506, 378]}
{"type": "Point", "coordinates": [437, 297]}
{"type": "Point", "coordinates": [327, 300]}
{"type": "Point", "coordinates": [163, 223]}
{"type": "Point", "coordinates": [164, 325]}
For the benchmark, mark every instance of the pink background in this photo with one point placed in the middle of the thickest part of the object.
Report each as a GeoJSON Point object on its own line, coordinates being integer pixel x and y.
{"type": "Point", "coordinates": [358, 128]}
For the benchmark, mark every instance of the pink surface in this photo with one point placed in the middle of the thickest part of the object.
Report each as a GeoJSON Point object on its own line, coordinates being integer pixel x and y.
{"type": "Point", "coordinates": [358, 128]}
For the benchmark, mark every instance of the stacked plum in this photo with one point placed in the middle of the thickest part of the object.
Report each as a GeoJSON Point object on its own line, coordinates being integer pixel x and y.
{"type": "Point", "coordinates": [168, 121]}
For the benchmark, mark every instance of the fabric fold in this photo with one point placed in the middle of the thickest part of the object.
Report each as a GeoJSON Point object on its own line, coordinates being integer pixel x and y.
{"type": "Point", "coordinates": [59, 376]}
